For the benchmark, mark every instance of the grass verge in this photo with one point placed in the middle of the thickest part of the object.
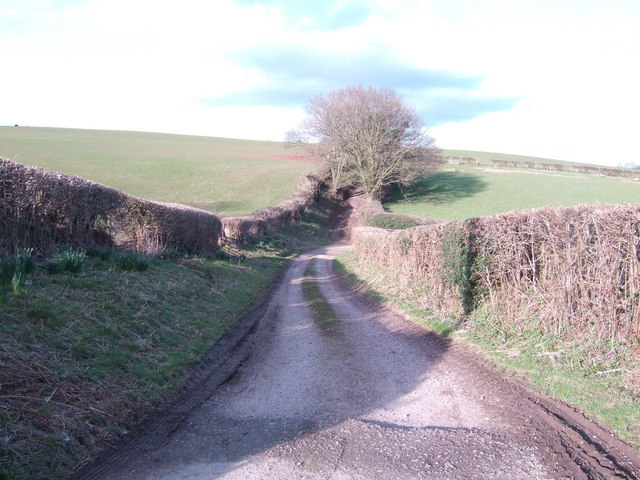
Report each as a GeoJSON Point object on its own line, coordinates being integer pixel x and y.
{"type": "Point", "coordinates": [323, 314]}
{"type": "Point", "coordinates": [605, 388]}
{"type": "Point", "coordinates": [86, 355]}
{"type": "Point", "coordinates": [381, 286]}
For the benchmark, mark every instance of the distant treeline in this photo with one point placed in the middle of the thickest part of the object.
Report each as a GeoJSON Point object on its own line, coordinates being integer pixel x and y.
{"type": "Point", "coordinates": [632, 165]}
{"type": "Point", "coordinates": [547, 166]}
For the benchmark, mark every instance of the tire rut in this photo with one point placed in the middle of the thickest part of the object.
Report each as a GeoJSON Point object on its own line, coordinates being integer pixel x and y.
{"type": "Point", "coordinates": [279, 398]}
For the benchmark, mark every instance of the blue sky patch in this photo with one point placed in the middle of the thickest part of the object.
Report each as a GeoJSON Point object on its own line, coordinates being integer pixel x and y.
{"type": "Point", "coordinates": [294, 75]}
{"type": "Point", "coordinates": [323, 15]}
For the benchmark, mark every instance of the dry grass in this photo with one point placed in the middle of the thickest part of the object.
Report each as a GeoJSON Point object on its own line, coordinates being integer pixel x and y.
{"type": "Point", "coordinates": [573, 269]}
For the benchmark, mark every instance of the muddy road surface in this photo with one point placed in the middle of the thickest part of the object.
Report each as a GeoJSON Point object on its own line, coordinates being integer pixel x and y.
{"type": "Point", "coordinates": [370, 397]}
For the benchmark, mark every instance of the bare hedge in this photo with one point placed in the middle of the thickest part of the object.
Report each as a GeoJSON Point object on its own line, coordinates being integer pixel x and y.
{"type": "Point", "coordinates": [43, 210]}
{"type": "Point", "coordinates": [271, 219]}
{"type": "Point", "coordinates": [572, 270]}
{"type": "Point", "coordinates": [415, 256]}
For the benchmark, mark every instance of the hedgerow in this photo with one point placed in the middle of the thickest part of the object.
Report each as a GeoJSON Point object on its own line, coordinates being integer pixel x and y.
{"type": "Point", "coordinates": [43, 210]}
{"type": "Point", "coordinates": [574, 271]}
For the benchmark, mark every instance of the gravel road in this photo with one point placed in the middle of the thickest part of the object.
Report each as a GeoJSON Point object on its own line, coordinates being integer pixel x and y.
{"type": "Point", "coordinates": [372, 397]}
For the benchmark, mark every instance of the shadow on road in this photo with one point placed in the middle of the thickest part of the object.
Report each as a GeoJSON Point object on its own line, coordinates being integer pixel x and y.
{"type": "Point", "coordinates": [379, 398]}
{"type": "Point", "coordinates": [298, 382]}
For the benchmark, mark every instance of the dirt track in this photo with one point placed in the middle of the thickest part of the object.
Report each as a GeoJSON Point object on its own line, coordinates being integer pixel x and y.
{"type": "Point", "coordinates": [374, 397]}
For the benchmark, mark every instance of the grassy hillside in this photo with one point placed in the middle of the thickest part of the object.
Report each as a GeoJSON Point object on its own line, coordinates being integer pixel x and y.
{"type": "Point", "coordinates": [224, 176]}
{"type": "Point", "coordinates": [460, 191]}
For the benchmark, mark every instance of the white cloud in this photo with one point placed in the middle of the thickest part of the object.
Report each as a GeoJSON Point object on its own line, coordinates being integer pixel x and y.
{"type": "Point", "coordinates": [572, 67]}
{"type": "Point", "coordinates": [146, 65]}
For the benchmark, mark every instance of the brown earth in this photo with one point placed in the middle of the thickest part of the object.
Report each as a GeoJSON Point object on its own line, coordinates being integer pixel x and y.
{"type": "Point", "coordinates": [292, 156]}
{"type": "Point", "coordinates": [372, 397]}
{"type": "Point", "coordinates": [296, 157]}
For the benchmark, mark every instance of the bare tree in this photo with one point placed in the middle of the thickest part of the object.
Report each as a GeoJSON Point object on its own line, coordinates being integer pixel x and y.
{"type": "Point", "coordinates": [368, 138]}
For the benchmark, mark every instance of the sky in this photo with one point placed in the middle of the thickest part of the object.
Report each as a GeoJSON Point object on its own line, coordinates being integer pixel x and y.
{"type": "Point", "coordinates": [551, 78]}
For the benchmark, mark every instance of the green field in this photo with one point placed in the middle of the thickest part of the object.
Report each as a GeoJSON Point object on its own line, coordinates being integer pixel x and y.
{"type": "Point", "coordinates": [458, 191]}
{"type": "Point", "coordinates": [235, 177]}
{"type": "Point", "coordinates": [225, 176]}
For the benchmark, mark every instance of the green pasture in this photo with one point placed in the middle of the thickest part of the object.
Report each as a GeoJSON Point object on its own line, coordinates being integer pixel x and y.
{"type": "Point", "coordinates": [458, 192]}
{"type": "Point", "coordinates": [225, 176]}
{"type": "Point", "coordinates": [235, 177]}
